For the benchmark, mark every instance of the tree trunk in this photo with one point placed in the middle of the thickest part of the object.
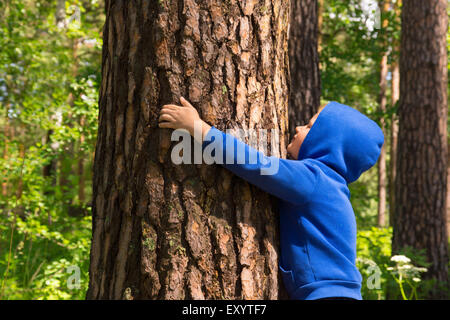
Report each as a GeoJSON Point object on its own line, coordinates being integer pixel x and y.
{"type": "Point", "coordinates": [421, 184]}
{"type": "Point", "coordinates": [165, 231]}
{"type": "Point", "coordinates": [60, 14]}
{"type": "Point", "coordinates": [320, 4]}
{"type": "Point", "coordinates": [81, 181]}
{"type": "Point", "coordinates": [382, 105]}
{"type": "Point", "coordinates": [50, 170]}
{"type": "Point", "coordinates": [448, 189]}
{"type": "Point", "coordinates": [66, 158]}
{"type": "Point", "coordinates": [20, 133]}
{"type": "Point", "coordinates": [6, 131]}
{"type": "Point", "coordinates": [19, 190]}
{"type": "Point", "coordinates": [395, 96]}
{"type": "Point", "coordinates": [303, 63]}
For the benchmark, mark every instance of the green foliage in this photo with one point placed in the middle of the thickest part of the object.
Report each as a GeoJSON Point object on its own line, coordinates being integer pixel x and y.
{"type": "Point", "coordinates": [351, 53]}
{"type": "Point", "coordinates": [348, 64]}
{"type": "Point", "coordinates": [406, 274]}
{"type": "Point", "coordinates": [364, 198]}
{"type": "Point", "coordinates": [373, 251]}
{"type": "Point", "coordinates": [350, 70]}
{"type": "Point", "coordinates": [387, 276]}
{"type": "Point", "coordinates": [49, 81]}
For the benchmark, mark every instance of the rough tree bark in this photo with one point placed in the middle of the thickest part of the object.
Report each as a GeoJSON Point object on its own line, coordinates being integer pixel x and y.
{"type": "Point", "coordinates": [303, 63]}
{"type": "Point", "coordinates": [162, 231]}
{"type": "Point", "coordinates": [421, 184]}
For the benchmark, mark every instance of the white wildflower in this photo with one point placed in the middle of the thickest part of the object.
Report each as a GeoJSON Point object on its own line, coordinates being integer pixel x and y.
{"type": "Point", "coordinates": [400, 259]}
{"type": "Point", "coordinates": [416, 279]}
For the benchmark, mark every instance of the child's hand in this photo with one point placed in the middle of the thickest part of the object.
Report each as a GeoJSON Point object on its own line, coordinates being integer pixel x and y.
{"type": "Point", "coordinates": [178, 117]}
{"type": "Point", "coordinates": [181, 117]}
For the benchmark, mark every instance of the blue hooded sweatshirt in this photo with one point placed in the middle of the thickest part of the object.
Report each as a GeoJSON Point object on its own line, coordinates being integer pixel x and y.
{"type": "Point", "coordinates": [317, 222]}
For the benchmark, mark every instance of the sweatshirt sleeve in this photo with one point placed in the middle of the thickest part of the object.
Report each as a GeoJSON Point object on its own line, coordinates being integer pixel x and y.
{"type": "Point", "coordinates": [290, 180]}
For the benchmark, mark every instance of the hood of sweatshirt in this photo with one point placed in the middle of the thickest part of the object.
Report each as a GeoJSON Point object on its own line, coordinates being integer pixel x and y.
{"type": "Point", "coordinates": [344, 139]}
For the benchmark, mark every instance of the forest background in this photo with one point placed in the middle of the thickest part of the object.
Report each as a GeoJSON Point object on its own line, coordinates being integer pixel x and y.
{"type": "Point", "coordinates": [50, 75]}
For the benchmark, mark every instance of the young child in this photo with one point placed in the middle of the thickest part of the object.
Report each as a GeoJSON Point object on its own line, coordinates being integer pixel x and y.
{"type": "Point", "coordinates": [317, 222]}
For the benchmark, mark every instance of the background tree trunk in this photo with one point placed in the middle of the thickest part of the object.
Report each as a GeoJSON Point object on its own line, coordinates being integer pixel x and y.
{"type": "Point", "coordinates": [448, 189]}
{"type": "Point", "coordinates": [395, 96]}
{"type": "Point", "coordinates": [6, 130]}
{"type": "Point", "coordinates": [421, 184]}
{"type": "Point", "coordinates": [80, 171]}
{"type": "Point", "coordinates": [162, 231]}
{"type": "Point", "coordinates": [385, 5]}
{"type": "Point", "coordinates": [319, 26]}
{"type": "Point", "coordinates": [303, 63]}
{"type": "Point", "coordinates": [50, 170]}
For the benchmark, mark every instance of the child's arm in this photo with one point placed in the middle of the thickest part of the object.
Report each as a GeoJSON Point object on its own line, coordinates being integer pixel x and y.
{"type": "Point", "coordinates": [290, 180]}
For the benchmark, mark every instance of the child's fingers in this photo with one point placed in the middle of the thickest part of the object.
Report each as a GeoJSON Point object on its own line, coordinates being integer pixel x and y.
{"type": "Point", "coordinates": [170, 107]}
{"type": "Point", "coordinates": [166, 117]}
{"type": "Point", "coordinates": [171, 112]}
{"type": "Point", "coordinates": [169, 125]}
{"type": "Point", "coordinates": [185, 103]}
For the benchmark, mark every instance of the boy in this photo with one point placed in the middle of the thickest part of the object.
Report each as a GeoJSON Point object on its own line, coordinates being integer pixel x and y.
{"type": "Point", "coordinates": [317, 222]}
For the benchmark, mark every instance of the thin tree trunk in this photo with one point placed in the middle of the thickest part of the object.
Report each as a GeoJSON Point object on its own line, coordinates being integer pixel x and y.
{"type": "Point", "coordinates": [395, 96]}
{"type": "Point", "coordinates": [50, 169]}
{"type": "Point", "coordinates": [60, 14]}
{"type": "Point", "coordinates": [382, 105]}
{"type": "Point", "coordinates": [19, 190]}
{"type": "Point", "coordinates": [19, 209]}
{"type": "Point", "coordinates": [165, 231]}
{"type": "Point", "coordinates": [80, 154]}
{"type": "Point", "coordinates": [66, 157]}
{"type": "Point", "coordinates": [421, 184]}
{"type": "Point", "coordinates": [6, 131]}
{"type": "Point", "coordinates": [448, 189]}
{"type": "Point", "coordinates": [303, 62]}
{"type": "Point", "coordinates": [319, 27]}
{"type": "Point", "coordinates": [81, 182]}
